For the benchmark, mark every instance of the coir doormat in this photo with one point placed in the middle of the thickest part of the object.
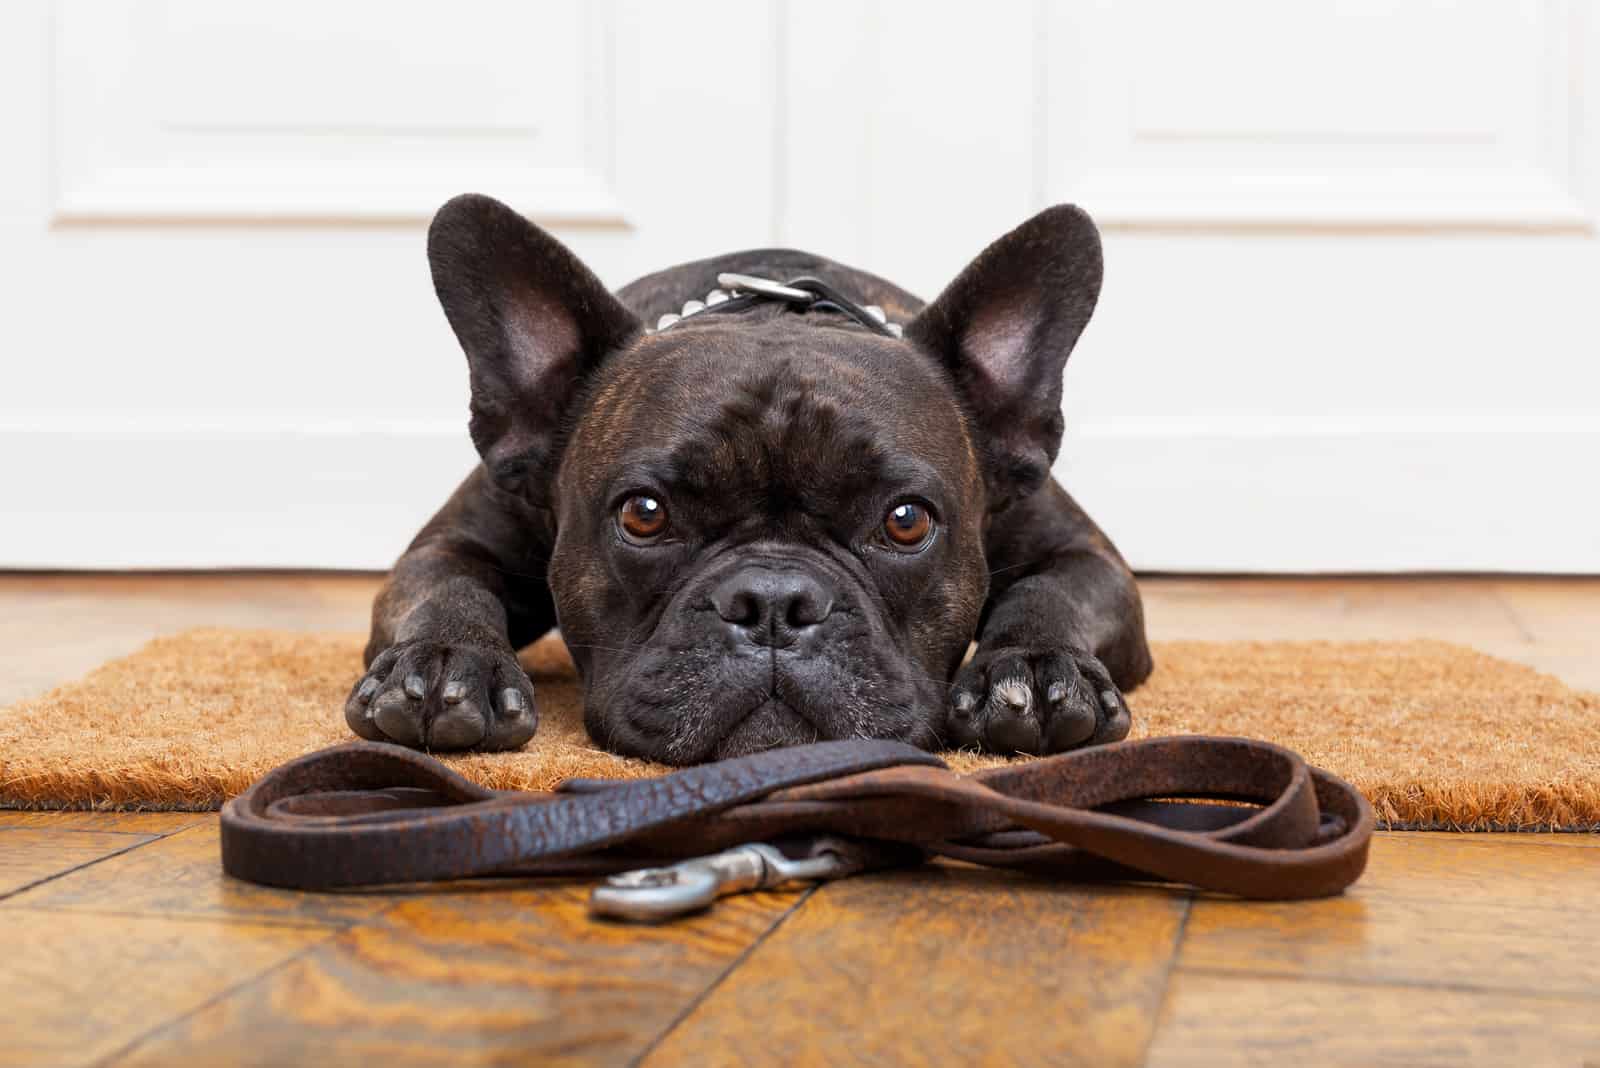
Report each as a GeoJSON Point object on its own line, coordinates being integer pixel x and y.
{"type": "Point", "coordinates": [1435, 735]}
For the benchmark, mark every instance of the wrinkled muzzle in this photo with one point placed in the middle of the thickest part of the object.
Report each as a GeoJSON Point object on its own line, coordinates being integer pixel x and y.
{"type": "Point", "coordinates": [763, 651]}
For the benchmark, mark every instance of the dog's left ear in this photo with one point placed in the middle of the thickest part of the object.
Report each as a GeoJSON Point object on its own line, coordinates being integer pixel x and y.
{"type": "Point", "coordinates": [1005, 327]}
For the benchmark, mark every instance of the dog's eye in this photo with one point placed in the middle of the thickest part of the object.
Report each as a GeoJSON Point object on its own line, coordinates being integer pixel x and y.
{"type": "Point", "coordinates": [908, 526]}
{"type": "Point", "coordinates": [642, 518]}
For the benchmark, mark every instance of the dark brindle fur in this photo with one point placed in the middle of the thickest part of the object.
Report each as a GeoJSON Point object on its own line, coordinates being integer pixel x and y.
{"type": "Point", "coordinates": [771, 609]}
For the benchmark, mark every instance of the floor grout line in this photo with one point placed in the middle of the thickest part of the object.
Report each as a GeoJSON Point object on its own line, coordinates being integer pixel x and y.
{"type": "Point", "coordinates": [9, 894]}
{"type": "Point", "coordinates": [94, 830]}
{"type": "Point", "coordinates": [227, 992]}
{"type": "Point", "coordinates": [733, 966]}
{"type": "Point", "coordinates": [124, 1050]}
{"type": "Point", "coordinates": [1510, 611]}
{"type": "Point", "coordinates": [242, 919]}
{"type": "Point", "coordinates": [1178, 938]}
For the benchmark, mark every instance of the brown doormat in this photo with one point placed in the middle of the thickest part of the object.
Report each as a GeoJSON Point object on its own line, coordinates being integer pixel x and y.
{"type": "Point", "coordinates": [1435, 734]}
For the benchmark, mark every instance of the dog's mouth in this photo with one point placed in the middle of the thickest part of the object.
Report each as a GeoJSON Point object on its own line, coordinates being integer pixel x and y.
{"type": "Point", "coordinates": [771, 724]}
{"type": "Point", "coordinates": [702, 688]}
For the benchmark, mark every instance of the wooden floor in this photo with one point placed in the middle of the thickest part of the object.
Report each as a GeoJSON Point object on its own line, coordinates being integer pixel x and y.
{"type": "Point", "coordinates": [122, 943]}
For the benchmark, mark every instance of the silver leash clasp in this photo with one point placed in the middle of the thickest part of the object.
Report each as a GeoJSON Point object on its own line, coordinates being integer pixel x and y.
{"type": "Point", "coordinates": [650, 895]}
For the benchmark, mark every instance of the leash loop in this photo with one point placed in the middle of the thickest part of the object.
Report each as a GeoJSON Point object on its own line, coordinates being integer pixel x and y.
{"type": "Point", "coordinates": [369, 813]}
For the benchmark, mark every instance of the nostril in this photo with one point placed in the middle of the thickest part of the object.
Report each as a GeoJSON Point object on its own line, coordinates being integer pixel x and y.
{"type": "Point", "coordinates": [737, 604]}
{"type": "Point", "coordinates": [808, 607]}
{"type": "Point", "coordinates": [743, 609]}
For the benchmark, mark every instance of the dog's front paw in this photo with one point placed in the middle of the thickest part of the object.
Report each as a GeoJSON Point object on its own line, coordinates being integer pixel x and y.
{"type": "Point", "coordinates": [440, 695]}
{"type": "Point", "coordinates": [1017, 700]}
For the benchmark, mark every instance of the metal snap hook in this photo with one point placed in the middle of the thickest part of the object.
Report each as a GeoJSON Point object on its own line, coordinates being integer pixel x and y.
{"type": "Point", "coordinates": [650, 895]}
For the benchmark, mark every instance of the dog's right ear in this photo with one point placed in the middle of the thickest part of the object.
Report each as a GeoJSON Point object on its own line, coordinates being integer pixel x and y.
{"type": "Point", "coordinates": [533, 320]}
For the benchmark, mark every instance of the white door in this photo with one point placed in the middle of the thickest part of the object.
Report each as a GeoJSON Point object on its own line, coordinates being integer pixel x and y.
{"type": "Point", "coordinates": [1350, 319]}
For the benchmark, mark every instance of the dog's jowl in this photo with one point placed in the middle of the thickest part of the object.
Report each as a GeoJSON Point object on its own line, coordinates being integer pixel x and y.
{"type": "Point", "coordinates": [762, 510]}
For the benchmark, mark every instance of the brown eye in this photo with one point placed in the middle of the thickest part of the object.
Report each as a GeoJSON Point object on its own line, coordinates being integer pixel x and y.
{"type": "Point", "coordinates": [908, 526]}
{"type": "Point", "coordinates": [642, 517]}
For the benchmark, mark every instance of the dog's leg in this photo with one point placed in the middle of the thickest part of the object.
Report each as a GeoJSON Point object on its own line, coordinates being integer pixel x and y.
{"type": "Point", "coordinates": [442, 669]}
{"type": "Point", "coordinates": [1061, 636]}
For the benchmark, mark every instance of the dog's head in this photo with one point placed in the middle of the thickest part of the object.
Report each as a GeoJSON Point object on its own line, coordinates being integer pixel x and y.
{"type": "Point", "coordinates": [769, 526]}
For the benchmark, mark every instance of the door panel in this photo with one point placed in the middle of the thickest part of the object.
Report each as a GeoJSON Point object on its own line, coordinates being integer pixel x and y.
{"type": "Point", "coordinates": [1349, 320]}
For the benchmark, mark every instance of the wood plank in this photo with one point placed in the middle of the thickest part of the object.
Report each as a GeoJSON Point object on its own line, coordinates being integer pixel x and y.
{"type": "Point", "coordinates": [1554, 611]}
{"type": "Point", "coordinates": [1469, 912]}
{"type": "Point", "coordinates": [1579, 839]}
{"type": "Point", "coordinates": [1575, 663]}
{"type": "Point", "coordinates": [1216, 1019]}
{"type": "Point", "coordinates": [32, 855]}
{"type": "Point", "coordinates": [474, 976]}
{"type": "Point", "coordinates": [147, 823]}
{"type": "Point", "coordinates": [1477, 867]}
{"type": "Point", "coordinates": [181, 875]}
{"type": "Point", "coordinates": [1219, 609]}
{"type": "Point", "coordinates": [1547, 623]}
{"type": "Point", "coordinates": [76, 988]}
{"type": "Point", "coordinates": [944, 965]}
{"type": "Point", "coordinates": [1459, 944]}
{"type": "Point", "coordinates": [63, 625]}
{"type": "Point", "coordinates": [1468, 610]}
{"type": "Point", "coordinates": [1561, 619]}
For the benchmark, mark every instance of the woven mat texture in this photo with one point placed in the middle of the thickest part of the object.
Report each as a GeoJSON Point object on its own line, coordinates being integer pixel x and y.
{"type": "Point", "coordinates": [1436, 735]}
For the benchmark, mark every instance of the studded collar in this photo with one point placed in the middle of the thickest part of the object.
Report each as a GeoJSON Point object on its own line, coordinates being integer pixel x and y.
{"type": "Point", "coordinates": [736, 292]}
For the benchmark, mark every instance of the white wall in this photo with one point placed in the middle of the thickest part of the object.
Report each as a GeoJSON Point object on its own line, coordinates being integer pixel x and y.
{"type": "Point", "coordinates": [1350, 317]}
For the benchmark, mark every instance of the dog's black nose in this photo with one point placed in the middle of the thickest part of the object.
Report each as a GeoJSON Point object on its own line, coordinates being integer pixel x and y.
{"type": "Point", "coordinates": [771, 607]}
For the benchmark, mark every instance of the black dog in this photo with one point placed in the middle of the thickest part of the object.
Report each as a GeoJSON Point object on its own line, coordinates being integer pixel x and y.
{"type": "Point", "coordinates": [760, 526]}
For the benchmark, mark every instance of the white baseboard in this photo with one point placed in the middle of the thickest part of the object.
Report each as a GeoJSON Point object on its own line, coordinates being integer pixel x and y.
{"type": "Point", "coordinates": [217, 497]}
{"type": "Point", "coordinates": [1371, 495]}
{"type": "Point", "coordinates": [1260, 496]}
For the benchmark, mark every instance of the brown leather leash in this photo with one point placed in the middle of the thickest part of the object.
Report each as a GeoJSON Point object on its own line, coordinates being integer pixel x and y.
{"type": "Point", "coordinates": [367, 814]}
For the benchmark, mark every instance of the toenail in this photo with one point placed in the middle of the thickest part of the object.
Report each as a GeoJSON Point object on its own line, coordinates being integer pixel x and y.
{"type": "Point", "coordinates": [455, 691]}
{"type": "Point", "coordinates": [415, 687]}
{"type": "Point", "coordinates": [514, 702]}
{"type": "Point", "coordinates": [368, 688]}
{"type": "Point", "coordinates": [1014, 692]}
{"type": "Point", "coordinates": [965, 703]}
{"type": "Point", "coordinates": [1109, 698]}
{"type": "Point", "coordinates": [1056, 693]}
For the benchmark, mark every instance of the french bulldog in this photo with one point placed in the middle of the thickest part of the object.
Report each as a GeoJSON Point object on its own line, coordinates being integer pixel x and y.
{"type": "Point", "coordinates": [765, 527]}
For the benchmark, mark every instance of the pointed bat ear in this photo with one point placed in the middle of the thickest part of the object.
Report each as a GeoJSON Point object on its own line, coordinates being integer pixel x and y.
{"type": "Point", "coordinates": [1005, 327]}
{"type": "Point", "coordinates": [533, 320]}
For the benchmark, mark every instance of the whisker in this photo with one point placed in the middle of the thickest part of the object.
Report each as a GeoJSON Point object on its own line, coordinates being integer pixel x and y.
{"type": "Point", "coordinates": [518, 574]}
{"type": "Point", "coordinates": [606, 648]}
{"type": "Point", "coordinates": [1025, 563]}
